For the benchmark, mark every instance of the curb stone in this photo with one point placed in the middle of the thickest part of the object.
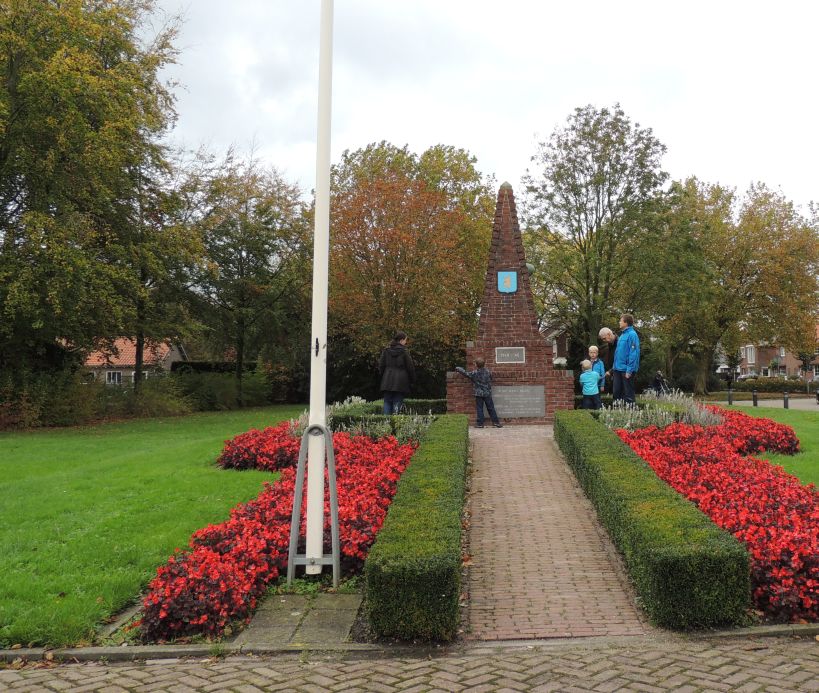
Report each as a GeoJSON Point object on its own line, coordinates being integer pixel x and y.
{"type": "Point", "coordinates": [167, 652]}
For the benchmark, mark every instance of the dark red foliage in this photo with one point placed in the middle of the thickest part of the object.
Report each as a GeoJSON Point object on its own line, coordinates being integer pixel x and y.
{"type": "Point", "coordinates": [769, 510]}
{"type": "Point", "coordinates": [228, 566]}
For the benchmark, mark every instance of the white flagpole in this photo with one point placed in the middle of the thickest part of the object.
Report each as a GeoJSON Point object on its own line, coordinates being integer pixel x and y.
{"type": "Point", "coordinates": [318, 341]}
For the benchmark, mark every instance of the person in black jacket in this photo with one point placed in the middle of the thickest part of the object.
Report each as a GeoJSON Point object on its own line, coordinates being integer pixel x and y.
{"type": "Point", "coordinates": [607, 350]}
{"type": "Point", "coordinates": [397, 373]}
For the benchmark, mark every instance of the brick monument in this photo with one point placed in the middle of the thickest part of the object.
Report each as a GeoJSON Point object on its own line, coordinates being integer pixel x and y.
{"type": "Point", "coordinates": [526, 387]}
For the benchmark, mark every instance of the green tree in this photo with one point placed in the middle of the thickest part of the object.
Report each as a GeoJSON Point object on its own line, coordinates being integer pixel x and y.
{"type": "Point", "coordinates": [252, 224]}
{"type": "Point", "coordinates": [590, 203]}
{"type": "Point", "coordinates": [160, 253]}
{"type": "Point", "coordinates": [81, 109]}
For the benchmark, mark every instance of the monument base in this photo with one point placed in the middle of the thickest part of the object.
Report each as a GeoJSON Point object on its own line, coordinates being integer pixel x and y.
{"type": "Point", "coordinates": [516, 404]}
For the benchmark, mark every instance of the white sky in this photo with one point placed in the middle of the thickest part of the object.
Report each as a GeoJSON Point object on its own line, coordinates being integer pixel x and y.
{"type": "Point", "coordinates": [728, 86]}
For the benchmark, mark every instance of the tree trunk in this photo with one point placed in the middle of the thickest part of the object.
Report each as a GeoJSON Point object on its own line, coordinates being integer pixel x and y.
{"type": "Point", "coordinates": [139, 355]}
{"type": "Point", "coordinates": [703, 363]}
{"type": "Point", "coordinates": [240, 360]}
{"type": "Point", "coordinates": [138, 360]}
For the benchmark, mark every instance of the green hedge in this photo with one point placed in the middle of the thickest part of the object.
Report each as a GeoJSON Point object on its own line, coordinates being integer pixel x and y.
{"type": "Point", "coordinates": [688, 572]}
{"type": "Point", "coordinates": [413, 571]}
{"type": "Point", "coordinates": [605, 399]}
{"type": "Point", "coordinates": [778, 385]}
{"type": "Point", "coordinates": [353, 413]}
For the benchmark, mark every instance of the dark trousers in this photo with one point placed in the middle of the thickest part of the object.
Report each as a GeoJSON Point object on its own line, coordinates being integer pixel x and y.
{"type": "Point", "coordinates": [393, 401]}
{"type": "Point", "coordinates": [622, 387]}
{"type": "Point", "coordinates": [490, 407]}
{"type": "Point", "coordinates": [591, 402]}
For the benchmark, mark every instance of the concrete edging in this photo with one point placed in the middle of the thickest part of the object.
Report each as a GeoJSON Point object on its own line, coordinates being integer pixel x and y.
{"type": "Point", "coordinates": [177, 652]}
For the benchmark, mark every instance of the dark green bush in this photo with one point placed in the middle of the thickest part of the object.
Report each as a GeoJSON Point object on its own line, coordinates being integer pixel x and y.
{"type": "Point", "coordinates": [688, 572]}
{"type": "Point", "coordinates": [768, 385]}
{"type": "Point", "coordinates": [351, 414]}
{"type": "Point", "coordinates": [605, 399]}
{"type": "Point", "coordinates": [413, 571]}
{"type": "Point", "coordinates": [218, 391]}
{"type": "Point", "coordinates": [210, 366]}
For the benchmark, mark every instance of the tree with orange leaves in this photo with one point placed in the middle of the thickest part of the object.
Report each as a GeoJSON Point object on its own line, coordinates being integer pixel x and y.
{"type": "Point", "coordinates": [409, 237]}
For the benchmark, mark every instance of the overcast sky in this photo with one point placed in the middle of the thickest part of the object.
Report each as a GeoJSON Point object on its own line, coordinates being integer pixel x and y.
{"type": "Point", "coordinates": [730, 87]}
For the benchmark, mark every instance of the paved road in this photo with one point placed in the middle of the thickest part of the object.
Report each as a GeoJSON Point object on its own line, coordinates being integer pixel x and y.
{"type": "Point", "coordinates": [662, 663]}
{"type": "Point", "coordinates": [802, 404]}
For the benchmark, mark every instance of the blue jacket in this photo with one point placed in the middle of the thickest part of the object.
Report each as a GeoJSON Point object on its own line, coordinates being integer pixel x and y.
{"type": "Point", "coordinates": [588, 379]}
{"type": "Point", "coordinates": [627, 354]}
{"type": "Point", "coordinates": [599, 368]}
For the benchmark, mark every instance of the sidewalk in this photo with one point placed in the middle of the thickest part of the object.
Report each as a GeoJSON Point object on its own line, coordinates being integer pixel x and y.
{"type": "Point", "coordinates": [542, 566]}
{"type": "Point", "coordinates": [664, 663]}
{"type": "Point", "coordinates": [799, 403]}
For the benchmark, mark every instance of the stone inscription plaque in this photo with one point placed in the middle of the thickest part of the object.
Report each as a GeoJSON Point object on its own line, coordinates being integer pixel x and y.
{"type": "Point", "coordinates": [519, 401]}
{"type": "Point", "coordinates": [510, 354]}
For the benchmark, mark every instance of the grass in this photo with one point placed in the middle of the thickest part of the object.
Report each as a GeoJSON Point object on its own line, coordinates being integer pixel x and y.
{"type": "Point", "coordinates": [805, 465]}
{"type": "Point", "coordinates": [87, 514]}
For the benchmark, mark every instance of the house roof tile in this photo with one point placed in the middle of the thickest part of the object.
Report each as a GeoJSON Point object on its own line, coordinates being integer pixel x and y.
{"type": "Point", "coordinates": [123, 354]}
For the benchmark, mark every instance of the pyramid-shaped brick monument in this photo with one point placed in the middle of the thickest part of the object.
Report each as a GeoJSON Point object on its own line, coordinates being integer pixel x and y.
{"type": "Point", "coordinates": [526, 387]}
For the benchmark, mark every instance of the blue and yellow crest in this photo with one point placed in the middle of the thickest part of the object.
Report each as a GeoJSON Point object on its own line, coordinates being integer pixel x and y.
{"type": "Point", "coordinates": [507, 282]}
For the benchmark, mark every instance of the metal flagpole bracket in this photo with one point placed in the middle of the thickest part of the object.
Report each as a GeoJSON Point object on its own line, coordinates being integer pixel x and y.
{"type": "Point", "coordinates": [294, 558]}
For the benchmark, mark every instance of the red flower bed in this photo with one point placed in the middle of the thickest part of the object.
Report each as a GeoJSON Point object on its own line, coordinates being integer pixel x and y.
{"type": "Point", "coordinates": [769, 510]}
{"type": "Point", "coordinates": [228, 566]}
{"type": "Point", "coordinates": [273, 448]}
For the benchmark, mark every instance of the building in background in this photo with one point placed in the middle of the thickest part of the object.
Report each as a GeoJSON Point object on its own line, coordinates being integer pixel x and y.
{"type": "Point", "coordinates": [117, 365]}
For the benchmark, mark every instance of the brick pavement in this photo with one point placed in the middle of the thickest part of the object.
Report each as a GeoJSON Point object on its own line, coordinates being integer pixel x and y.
{"type": "Point", "coordinates": [657, 663]}
{"type": "Point", "coordinates": [542, 566]}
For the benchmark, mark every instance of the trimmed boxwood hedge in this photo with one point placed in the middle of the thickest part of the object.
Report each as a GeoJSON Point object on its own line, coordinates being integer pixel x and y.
{"type": "Point", "coordinates": [353, 413]}
{"type": "Point", "coordinates": [605, 399]}
{"type": "Point", "coordinates": [688, 572]}
{"type": "Point", "coordinates": [413, 571]}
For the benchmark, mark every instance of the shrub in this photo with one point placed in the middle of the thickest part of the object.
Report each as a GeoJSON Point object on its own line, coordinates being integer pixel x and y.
{"type": "Point", "coordinates": [687, 572]}
{"type": "Point", "coordinates": [768, 385]}
{"type": "Point", "coordinates": [413, 571]}
{"type": "Point", "coordinates": [218, 391]}
{"type": "Point", "coordinates": [660, 411]}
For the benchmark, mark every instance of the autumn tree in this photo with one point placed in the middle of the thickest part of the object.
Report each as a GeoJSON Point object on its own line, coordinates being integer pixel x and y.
{"type": "Point", "coordinates": [720, 264]}
{"type": "Point", "coordinates": [408, 251]}
{"type": "Point", "coordinates": [81, 109]}
{"type": "Point", "coordinates": [591, 199]}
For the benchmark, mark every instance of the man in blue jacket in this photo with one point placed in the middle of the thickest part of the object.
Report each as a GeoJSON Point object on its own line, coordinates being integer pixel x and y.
{"type": "Point", "coordinates": [626, 360]}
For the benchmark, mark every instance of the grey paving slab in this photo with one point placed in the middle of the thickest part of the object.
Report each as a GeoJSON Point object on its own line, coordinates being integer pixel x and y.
{"type": "Point", "coordinates": [298, 620]}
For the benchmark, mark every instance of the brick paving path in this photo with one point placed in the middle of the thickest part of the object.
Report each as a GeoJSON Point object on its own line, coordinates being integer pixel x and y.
{"type": "Point", "coordinates": [542, 566]}
{"type": "Point", "coordinates": [662, 663]}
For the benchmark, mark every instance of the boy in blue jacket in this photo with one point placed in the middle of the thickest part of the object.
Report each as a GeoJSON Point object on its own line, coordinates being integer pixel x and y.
{"type": "Point", "coordinates": [481, 379]}
{"type": "Point", "coordinates": [598, 366]}
{"type": "Point", "coordinates": [589, 381]}
{"type": "Point", "coordinates": [626, 360]}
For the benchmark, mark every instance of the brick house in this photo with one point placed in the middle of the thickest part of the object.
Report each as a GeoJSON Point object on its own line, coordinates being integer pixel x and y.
{"type": "Point", "coordinates": [767, 360]}
{"type": "Point", "coordinates": [116, 366]}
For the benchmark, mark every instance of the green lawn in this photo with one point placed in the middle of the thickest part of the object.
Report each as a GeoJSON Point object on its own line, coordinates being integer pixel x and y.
{"type": "Point", "coordinates": [805, 465]}
{"type": "Point", "coordinates": [87, 514]}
